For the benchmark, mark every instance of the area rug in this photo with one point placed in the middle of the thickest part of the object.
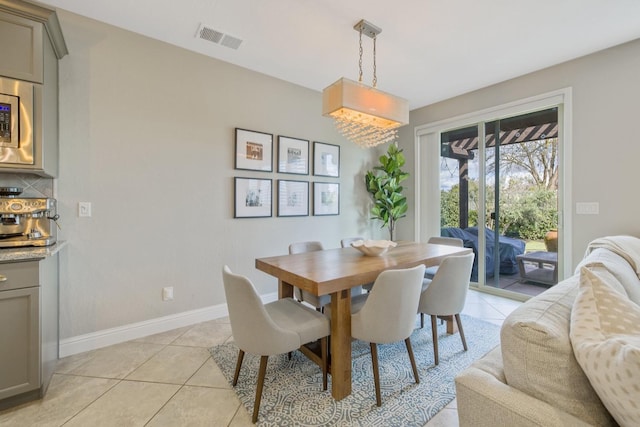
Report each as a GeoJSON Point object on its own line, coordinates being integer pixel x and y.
{"type": "Point", "coordinates": [293, 395]}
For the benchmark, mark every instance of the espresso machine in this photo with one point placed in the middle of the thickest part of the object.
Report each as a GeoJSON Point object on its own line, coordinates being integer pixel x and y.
{"type": "Point", "coordinates": [26, 221]}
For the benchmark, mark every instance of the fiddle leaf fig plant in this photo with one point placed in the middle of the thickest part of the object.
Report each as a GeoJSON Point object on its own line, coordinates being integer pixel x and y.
{"type": "Point", "coordinates": [383, 183]}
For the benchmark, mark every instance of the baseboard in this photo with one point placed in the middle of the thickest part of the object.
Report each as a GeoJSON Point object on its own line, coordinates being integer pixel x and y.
{"type": "Point", "coordinates": [107, 337]}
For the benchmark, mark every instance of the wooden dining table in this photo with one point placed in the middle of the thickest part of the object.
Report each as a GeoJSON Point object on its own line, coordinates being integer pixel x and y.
{"type": "Point", "coordinates": [335, 272]}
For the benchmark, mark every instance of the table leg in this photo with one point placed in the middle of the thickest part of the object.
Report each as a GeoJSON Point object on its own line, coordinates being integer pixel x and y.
{"type": "Point", "coordinates": [341, 344]}
{"type": "Point", "coordinates": [285, 290]}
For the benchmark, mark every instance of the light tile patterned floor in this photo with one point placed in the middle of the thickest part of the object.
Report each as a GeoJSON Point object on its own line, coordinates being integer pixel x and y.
{"type": "Point", "coordinates": [169, 379]}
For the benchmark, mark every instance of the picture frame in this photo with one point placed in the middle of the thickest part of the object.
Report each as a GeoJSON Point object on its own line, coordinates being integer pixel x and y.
{"type": "Point", "coordinates": [293, 198]}
{"type": "Point", "coordinates": [253, 197]}
{"type": "Point", "coordinates": [326, 159]}
{"type": "Point", "coordinates": [326, 198]}
{"type": "Point", "coordinates": [254, 150]}
{"type": "Point", "coordinates": [293, 155]}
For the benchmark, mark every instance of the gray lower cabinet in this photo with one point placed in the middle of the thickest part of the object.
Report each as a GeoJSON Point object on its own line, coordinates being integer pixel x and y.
{"type": "Point", "coordinates": [28, 329]}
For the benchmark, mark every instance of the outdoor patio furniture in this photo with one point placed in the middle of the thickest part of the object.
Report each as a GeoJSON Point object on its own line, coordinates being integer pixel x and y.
{"type": "Point", "coordinates": [545, 268]}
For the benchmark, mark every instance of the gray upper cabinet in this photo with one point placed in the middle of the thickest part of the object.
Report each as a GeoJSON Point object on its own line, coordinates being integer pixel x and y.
{"type": "Point", "coordinates": [21, 58]}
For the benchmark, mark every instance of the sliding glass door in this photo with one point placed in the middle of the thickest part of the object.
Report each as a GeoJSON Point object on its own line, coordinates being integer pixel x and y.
{"type": "Point", "coordinates": [499, 193]}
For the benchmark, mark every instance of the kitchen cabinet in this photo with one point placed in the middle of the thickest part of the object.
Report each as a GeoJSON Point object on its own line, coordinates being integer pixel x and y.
{"type": "Point", "coordinates": [32, 56]}
{"type": "Point", "coordinates": [28, 328]}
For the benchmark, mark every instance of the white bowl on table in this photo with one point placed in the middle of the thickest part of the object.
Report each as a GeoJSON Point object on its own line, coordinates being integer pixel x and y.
{"type": "Point", "coordinates": [373, 247]}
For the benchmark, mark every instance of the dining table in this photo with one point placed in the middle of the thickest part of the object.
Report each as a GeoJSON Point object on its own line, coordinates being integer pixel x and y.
{"type": "Point", "coordinates": [334, 272]}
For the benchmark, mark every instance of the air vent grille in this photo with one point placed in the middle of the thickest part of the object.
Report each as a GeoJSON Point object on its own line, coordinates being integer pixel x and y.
{"type": "Point", "coordinates": [218, 37]}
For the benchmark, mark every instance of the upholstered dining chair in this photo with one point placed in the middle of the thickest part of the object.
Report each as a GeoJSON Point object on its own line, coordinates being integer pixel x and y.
{"type": "Point", "coordinates": [345, 243]}
{"type": "Point", "coordinates": [275, 328]}
{"type": "Point", "coordinates": [429, 272]}
{"type": "Point", "coordinates": [388, 315]}
{"type": "Point", "coordinates": [445, 295]}
{"type": "Point", "coordinates": [301, 295]}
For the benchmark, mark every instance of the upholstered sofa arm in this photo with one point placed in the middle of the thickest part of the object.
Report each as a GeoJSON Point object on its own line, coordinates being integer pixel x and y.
{"type": "Point", "coordinates": [485, 400]}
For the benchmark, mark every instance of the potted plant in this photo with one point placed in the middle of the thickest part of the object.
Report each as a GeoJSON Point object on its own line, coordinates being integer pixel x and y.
{"type": "Point", "coordinates": [384, 185]}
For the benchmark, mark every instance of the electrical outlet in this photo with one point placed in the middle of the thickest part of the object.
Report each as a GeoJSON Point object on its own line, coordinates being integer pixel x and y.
{"type": "Point", "coordinates": [84, 209]}
{"type": "Point", "coordinates": [167, 293]}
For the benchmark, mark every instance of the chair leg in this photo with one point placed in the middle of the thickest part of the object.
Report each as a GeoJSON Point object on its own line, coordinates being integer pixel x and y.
{"type": "Point", "coordinates": [238, 365]}
{"type": "Point", "coordinates": [421, 320]}
{"type": "Point", "coordinates": [459, 322]}
{"type": "Point", "coordinates": [412, 359]}
{"type": "Point", "coordinates": [261, 374]}
{"type": "Point", "coordinates": [376, 373]}
{"type": "Point", "coordinates": [323, 352]}
{"type": "Point", "coordinates": [434, 334]}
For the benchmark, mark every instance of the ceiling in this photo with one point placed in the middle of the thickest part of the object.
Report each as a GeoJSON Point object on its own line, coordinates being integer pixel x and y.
{"type": "Point", "coordinates": [429, 50]}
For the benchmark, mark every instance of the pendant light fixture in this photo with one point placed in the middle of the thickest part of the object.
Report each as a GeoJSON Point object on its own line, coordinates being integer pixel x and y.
{"type": "Point", "coordinates": [364, 114]}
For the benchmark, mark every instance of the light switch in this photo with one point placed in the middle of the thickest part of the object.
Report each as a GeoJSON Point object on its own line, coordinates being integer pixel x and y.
{"type": "Point", "coordinates": [587, 208]}
{"type": "Point", "coordinates": [84, 209]}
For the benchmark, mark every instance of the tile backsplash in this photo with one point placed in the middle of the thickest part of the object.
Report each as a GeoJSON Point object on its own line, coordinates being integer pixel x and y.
{"type": "Point", "coordinates": [32, 185]}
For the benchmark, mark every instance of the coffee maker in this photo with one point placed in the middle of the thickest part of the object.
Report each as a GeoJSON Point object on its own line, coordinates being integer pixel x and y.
{"type": "Point", "coordinates": [26, 221]}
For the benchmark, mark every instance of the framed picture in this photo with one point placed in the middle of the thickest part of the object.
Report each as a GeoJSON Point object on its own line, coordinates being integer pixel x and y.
{"type": "Point", "coordinates": [254, 150]}
{"type": "Point", "coordinates": [293, 198]}
{"type": "Point", "coordinates": [252, 197]}
{"type": "Point", "coordinates": [293, 155]}
{"type": "Point", "coordinates": [326, 159]}
{"type": "Point", "coordinates": [326, 198]}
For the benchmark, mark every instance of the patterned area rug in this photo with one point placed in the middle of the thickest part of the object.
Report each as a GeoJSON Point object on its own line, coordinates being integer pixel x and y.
{"type": "Point", "coordinates": [293, 395]}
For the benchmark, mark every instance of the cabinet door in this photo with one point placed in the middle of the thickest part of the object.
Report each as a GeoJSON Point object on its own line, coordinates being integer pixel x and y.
{"type": "Point", "coordinates": [19, 341]}
{"type": "Point", "coordinates": [22, 57]}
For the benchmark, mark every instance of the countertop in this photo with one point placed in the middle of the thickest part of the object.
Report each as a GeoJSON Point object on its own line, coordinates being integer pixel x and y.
{"type": "Point", "coordinates": [30, 253]}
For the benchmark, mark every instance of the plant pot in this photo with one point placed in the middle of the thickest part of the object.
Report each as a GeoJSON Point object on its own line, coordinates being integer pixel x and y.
{"type": "Point", "coordinates": [551, 240]}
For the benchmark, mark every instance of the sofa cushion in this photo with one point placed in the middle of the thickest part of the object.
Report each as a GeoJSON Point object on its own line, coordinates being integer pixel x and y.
{"type": "Point", "coordinates": [605, 334]}
{"type": "Point", "coordinates": [617, 266]}
{"type": "Point", "coordinates": [538, 357]}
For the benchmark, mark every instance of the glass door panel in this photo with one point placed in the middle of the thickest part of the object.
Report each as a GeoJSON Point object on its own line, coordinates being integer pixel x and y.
{"type": "Point", "coordinates": [501, 198]}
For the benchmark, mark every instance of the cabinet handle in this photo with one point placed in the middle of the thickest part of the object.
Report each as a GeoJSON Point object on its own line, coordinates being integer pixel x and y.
{"type": "Point", "coordinates": [3, 278]}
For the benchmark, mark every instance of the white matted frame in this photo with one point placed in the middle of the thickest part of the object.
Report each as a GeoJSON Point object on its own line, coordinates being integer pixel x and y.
{"type": "Point", "coordinates": [326, 159]}
{"type": "Point", "coordinates": [293, 155]}
{"type": "Point", "coordinates": [253, 197]}
{"type": "Point", "coordinates": [254, 150]}
{"type": "Point", "coordinates": [326, 198]}
{"type": "Point", "coordinates": [293, 198]}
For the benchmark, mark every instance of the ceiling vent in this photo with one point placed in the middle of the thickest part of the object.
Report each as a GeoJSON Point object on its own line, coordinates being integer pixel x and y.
{"type": "Point", "coordinates": [218, 37]}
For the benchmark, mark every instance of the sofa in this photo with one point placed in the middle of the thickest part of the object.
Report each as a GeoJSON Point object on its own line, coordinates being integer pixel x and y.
{"type": "Point", "coordinates": [508, 249]}
{"type": "Point", "coordinates": [541, 374]}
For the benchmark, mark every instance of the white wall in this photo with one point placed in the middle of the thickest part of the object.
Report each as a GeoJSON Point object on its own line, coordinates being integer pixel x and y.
{"type": "Point", "coordinates": [147, 136]}
{"type": "Point", "coordinates": [605, 145]}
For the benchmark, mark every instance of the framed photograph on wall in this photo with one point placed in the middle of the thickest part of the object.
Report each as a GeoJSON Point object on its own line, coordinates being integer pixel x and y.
{"type": "Point", "coordinates": [326, 159]}
{"type": "Point", "coordinates": [326, 198]}
{"type": "Point", "coordinates": [293, 155]}
{"type": "Point", "coordinates": [254, 150]}
{"type": "Point", "coordinates": [253, 197]}
{"type": "Point", "coordinates": [293, 198]}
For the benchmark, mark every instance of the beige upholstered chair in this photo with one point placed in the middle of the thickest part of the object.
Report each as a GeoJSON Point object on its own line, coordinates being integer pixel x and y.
{"type": "Point", "coordinates": [446, 294]}
{"type": "Point", "coordinates": [301, 295]}
{"type": "Point", "coordinates": [275, 328]}
{"type": "Point", "coordinates": [345, 243]}
{"type": "Point", "coordinates": [388, 315]}
{"type": "Point", "coordinates": [429, 272]}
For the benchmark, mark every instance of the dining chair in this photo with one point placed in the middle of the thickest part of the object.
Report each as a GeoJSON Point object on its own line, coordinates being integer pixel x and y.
{"type": "Point", "coordinates": [388, 315]}
{"type": "Point", "coordinates": [301, 295]}
{"type": "Point", "coordinates": [275, 328]}
{"type": "Point", "coordinates": [445, 295]}
{"type": "Point", "coordinates": [429, 272]}
{"type": "Point", "coordinates": [345, 243]}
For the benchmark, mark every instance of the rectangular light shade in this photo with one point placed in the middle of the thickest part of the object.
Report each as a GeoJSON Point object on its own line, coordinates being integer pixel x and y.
{"type": "Point", "coordinates": [361, 103]}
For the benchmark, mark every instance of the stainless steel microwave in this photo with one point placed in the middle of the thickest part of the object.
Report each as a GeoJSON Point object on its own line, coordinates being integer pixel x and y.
{"type": "Point", "coordinates": [17, 121]}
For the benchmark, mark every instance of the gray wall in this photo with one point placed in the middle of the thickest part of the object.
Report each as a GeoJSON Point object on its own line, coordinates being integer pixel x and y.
{"type": "Point", "coordinates": [605, 143]}
{"type": "Point", "coordinates": [147, 136]}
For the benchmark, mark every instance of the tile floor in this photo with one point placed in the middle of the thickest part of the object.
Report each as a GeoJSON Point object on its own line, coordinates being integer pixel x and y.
{"type": "Point", "coordinates": [169, 379]}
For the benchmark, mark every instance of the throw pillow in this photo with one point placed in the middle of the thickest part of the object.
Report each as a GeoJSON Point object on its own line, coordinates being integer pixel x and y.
{"type": "Point", "coordinates": [605, 335]}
